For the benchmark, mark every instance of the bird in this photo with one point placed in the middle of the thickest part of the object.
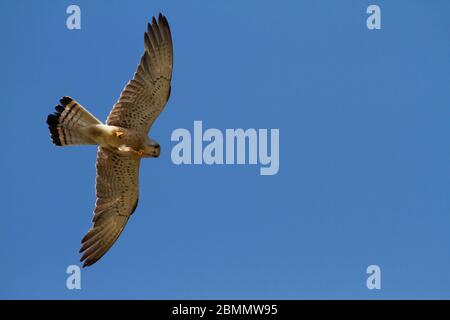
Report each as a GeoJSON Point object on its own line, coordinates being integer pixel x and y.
{"type": "Point", "coordinates": [122, 141]}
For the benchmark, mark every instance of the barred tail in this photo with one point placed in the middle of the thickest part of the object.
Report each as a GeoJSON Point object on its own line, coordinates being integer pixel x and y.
{"type": "Point", "coordinates": [67, 123]}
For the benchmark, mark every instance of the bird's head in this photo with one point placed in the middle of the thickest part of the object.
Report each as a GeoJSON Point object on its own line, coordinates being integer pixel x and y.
{"type": "Point", "coordinates": [151, 148]}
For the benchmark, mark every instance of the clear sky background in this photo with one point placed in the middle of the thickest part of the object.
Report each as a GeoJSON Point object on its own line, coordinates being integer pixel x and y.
{"type": "Point", "coordinates": [364, 119]}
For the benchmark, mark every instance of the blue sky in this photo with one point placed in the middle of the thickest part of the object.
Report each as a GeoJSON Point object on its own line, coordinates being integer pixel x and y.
{"type": "Point", "coordinates": [364, 151]}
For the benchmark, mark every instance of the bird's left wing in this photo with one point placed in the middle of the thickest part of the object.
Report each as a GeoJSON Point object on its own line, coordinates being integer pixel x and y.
{"type": "Point", "coordinates": [117, 188]}
{"type": "Point", "coordinates": [145, 96]}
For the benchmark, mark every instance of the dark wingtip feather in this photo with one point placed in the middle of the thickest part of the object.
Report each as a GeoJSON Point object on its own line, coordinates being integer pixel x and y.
{"type": "Point", "coordinates": [160, 17]}
{"type": "Point", "coordinates": [90, 261]}
{"type": "Point", "coordinates": [88, 235]}
{"type": "Point", "coordinates": [164, 19]}
{"type": "Point", "coordinates": [135, 206]}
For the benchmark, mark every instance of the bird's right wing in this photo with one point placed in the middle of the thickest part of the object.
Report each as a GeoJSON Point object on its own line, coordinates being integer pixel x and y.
{"type": "Point", "coordinates": [145, 96]}
{"type": "Point", "coordinates": [117, 186]}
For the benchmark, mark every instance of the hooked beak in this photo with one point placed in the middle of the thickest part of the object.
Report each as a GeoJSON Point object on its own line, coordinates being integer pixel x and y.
{"type": "Point", "coordinates": [156, 151]}
{"type": "Point", "coordinates": [152, 148]}
{"type": "Point", "coordinates": [152, 151]}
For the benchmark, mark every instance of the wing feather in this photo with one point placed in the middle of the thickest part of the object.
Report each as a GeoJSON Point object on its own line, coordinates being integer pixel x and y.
{"type": "Point", "coordinates": [145, 96]}
{"type": "Point", "coordinates": [117, 188]}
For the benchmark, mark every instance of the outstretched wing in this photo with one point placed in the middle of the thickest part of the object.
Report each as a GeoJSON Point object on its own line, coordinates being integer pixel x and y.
{"type": "Point", "coordinates": [117, 186]}
{"type": "Point", "coordinates": [145, 96]}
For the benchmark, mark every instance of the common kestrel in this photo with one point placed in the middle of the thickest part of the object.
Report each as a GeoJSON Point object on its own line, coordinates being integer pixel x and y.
{"type": "Point", "coordinates": [122, 141]}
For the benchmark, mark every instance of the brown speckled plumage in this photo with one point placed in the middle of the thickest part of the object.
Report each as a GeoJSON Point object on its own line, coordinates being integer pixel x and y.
{"type": "Point", "coordinates": [123, 141]}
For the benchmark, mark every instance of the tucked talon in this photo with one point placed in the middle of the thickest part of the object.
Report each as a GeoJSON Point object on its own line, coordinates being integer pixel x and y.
{"type": "Point", "coordinates": [119, 134]}
{"type": "Point", "coordinates": [141, 153]}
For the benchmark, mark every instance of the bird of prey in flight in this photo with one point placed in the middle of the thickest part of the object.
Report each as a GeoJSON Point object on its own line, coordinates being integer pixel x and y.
{"type": "Point", "coordinates": [122, 141]}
